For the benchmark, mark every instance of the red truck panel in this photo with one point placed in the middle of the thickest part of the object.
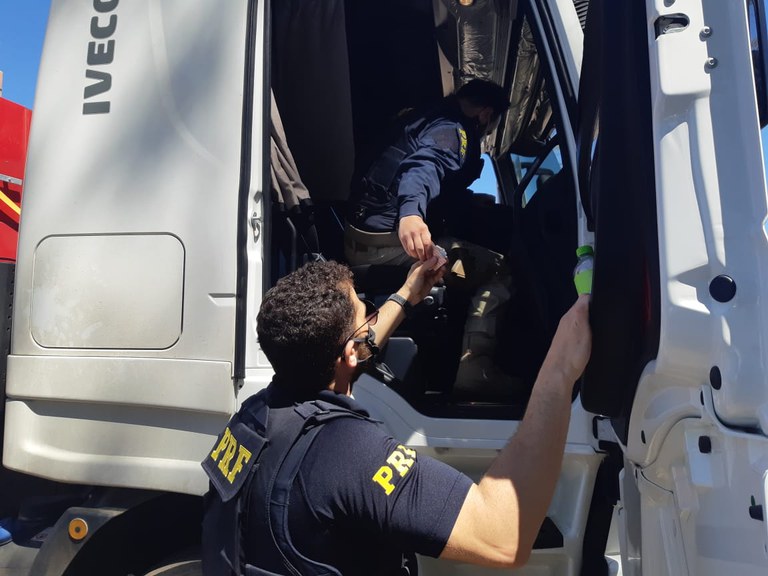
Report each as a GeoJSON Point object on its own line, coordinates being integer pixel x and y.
{"type": "Point", "coordinates": [14, 135]}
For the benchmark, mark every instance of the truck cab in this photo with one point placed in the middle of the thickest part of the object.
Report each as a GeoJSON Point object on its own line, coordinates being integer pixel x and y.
{"type": "Point", "coordinates": [183, 157]}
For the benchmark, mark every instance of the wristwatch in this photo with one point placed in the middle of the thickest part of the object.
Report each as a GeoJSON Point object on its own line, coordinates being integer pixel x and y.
{"type": "Point", "coordinates": [404, 304]}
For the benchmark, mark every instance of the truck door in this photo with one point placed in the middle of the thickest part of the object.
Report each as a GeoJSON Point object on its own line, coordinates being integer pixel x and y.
{"type": "Point", "coordinates": [131, 250]}
{"type": "Point", "coordinates": [672, 168]}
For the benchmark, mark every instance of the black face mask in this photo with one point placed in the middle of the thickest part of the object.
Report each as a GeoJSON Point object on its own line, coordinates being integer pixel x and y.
{"type": "Point", "coordinates": [367, 362]}
{"type": "Point", "coordinates": [369, 340]}
{"type": "Point", "coordinates": [484, 129]}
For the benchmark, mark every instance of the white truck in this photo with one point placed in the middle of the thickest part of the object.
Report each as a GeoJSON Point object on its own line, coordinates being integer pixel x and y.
{"type": "Point", "coordinates": [159, 206]}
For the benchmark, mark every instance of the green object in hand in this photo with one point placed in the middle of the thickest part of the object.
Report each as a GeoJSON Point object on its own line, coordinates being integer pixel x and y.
{"type": "Point", "coordinates": [582, 274]}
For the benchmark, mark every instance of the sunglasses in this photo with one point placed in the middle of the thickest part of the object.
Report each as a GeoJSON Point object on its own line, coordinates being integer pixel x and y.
{"type": "Point", "coordinates": [371, 317]}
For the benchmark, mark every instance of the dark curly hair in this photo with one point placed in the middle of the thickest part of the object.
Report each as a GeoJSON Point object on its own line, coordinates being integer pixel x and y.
{"type": "Point", "coordinates": [302, 322]}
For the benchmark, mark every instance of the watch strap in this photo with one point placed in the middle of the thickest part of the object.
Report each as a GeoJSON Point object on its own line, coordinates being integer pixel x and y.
{"type": "Point", "coordinates": [404, 304]}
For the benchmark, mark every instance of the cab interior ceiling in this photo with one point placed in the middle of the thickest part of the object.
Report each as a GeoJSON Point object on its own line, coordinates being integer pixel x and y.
{"type": "Point", "coordinates": [342, 70]}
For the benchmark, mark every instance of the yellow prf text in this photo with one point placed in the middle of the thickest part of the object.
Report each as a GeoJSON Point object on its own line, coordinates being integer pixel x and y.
{"type": "Point", "coordinates": [399, 461]}
{"type": "Point", "coordinates": [226, 450]}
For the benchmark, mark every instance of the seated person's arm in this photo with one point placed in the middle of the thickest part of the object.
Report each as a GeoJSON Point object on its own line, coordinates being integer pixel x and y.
{"type": "Point", "coordinates": [415, 237]}
{"type": "Point", "coordinates": [422, 175]}
{"type": "Point", "coordinates": [501, 516]}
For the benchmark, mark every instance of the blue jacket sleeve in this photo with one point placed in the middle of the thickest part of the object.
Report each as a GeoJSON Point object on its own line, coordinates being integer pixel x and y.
{"type": "Point", "coordinates": [441, 148]}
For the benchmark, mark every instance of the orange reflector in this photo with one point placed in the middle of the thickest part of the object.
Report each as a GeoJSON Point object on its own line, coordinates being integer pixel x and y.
{"type": "Point", "coordinates": [78, 529]}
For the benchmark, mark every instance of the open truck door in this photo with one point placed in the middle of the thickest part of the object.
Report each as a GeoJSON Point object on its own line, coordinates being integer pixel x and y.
{"type": "Point", "coordinates": [671, 167]}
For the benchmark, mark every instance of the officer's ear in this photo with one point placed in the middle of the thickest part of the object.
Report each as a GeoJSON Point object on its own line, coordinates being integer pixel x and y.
{"type": "Point", "coordinates": [349, 357]}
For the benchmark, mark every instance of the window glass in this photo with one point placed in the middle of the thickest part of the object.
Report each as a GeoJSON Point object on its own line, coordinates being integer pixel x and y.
{"type": "Point", "coordinates": [487, 183]}
{"type": "Point", "coordinates": [757, 32]}
{"type": "Point", "coordinates": [551, 165]}
{"type": "Point", "coordinates": [755, 44]}
{"type": "Point", "coordinates": [764, 137]}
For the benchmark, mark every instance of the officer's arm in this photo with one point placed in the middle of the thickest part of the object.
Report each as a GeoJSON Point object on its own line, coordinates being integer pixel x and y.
{"type": "Point", "coordinates": [420, 280]}
{"type": "Point", "coordinates": [415, 237]}
{"type": "Point", "coordinates": [422, 173]}
{"type": "Point", "coordinates": [501, 516]}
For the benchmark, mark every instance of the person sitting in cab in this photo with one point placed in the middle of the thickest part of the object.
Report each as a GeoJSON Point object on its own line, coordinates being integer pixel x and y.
{"type": "Point", "coordinates": [416, 192]}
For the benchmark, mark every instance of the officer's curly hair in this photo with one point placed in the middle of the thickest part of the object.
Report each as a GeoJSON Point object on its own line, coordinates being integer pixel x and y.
{"type": "Point", "coordinates": [302, 323]}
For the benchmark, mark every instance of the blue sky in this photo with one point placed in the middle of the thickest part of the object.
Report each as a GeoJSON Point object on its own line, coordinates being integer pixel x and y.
{"type": "Point", "coordinates": [21, 43]}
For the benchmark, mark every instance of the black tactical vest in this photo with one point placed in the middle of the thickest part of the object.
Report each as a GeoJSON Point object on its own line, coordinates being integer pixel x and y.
{"type": "Point", "coordinates": [252, 467]}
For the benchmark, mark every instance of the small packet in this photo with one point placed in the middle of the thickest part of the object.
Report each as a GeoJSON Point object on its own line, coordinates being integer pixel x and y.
{"type": "Point", "coordinates": [442, 257]}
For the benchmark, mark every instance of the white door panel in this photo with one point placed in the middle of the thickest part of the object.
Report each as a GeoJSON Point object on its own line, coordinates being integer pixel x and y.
{"type": "Point", "coordinates": [703, 501]}
{"type": "Point", "coordinates": [124, 315]}
{"type": "Point", "coordinates": [696, 484]}
{"type": "Point", "coordinates": [711, 202]}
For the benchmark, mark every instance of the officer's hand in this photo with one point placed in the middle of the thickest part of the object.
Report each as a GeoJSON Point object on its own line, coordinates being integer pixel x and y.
{"type": "Point", "coordinates": [420, 280]}
{"type": "Point", "coordinates": [572, 344]}
{"type": "Point", "coordinates": [415, 238]}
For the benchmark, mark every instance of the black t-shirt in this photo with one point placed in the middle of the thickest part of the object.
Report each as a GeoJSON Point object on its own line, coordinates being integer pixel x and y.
{"type": "Point", "coordinates": [361, 498]}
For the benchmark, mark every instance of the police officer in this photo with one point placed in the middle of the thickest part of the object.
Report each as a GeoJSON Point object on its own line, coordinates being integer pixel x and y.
{"type": "Point", "coordinates": [304, 482]}
{"type": "Point", "coordinates": [416, 192]}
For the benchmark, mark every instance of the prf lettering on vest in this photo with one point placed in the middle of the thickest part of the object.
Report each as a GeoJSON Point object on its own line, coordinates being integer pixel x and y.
{"type": "Point", "coordinates": [462, 143]}
{"type": "Point", "coordinates": [399, 461]}
{"type": "Point", "coordinates": [226, 450]}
